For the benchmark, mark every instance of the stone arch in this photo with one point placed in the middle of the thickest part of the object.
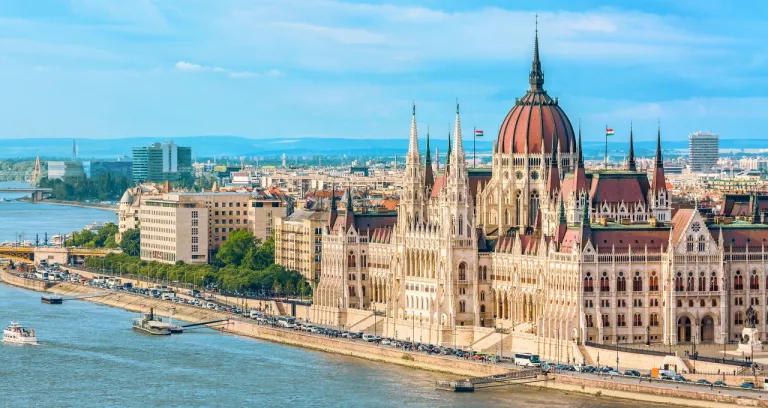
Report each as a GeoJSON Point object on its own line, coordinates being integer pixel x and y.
{"type": "Point", "coordinates": [707, 329]}
{"type": "Point", "coordinates": [685, 323]}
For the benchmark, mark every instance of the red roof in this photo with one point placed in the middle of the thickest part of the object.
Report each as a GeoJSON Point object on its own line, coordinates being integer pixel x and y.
{"type": "Point", "coordinates": [620, 239]}
{"type": "Point", "coordinates": [742, 238]}
{"type": "Point", "coordinates": [617, 188]}
{"type": "Point", "coordinates": [679, 221]}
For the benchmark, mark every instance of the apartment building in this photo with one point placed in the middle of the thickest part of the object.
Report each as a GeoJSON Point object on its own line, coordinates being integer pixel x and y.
{"type": "Point", "coordinates": [298, 242]}
{"type": "Point", "coordinates": [173, 228]}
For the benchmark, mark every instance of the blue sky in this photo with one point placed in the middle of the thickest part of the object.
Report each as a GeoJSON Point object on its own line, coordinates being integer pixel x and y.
{"type": "Point", "coordinates": [279, 68]}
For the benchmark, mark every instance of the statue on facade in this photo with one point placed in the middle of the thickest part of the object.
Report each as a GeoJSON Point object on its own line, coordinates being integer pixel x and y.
{"type": "Point", "coordinates": [751, 318]}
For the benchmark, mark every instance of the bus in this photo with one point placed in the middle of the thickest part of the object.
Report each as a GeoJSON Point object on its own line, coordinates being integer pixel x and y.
{"type": "Point", "coordinates": [527, 360]}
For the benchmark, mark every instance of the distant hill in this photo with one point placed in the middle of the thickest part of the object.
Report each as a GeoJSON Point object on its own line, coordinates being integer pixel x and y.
{"type": "Point", "coordinates": [210, 146]}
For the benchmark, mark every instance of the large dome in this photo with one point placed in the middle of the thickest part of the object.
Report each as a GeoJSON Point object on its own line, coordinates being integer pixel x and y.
{"type": "Point", "coordinates": [536, 119]}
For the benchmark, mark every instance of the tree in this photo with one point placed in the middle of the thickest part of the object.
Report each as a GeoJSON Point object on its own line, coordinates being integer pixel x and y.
{"type": "Point", "coordinates": [236, 247]}
{"type": "Point", "coordinates": [130, 243]}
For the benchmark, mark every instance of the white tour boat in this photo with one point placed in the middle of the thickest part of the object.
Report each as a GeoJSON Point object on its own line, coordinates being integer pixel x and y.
{"type": "Point", "coordinates": [18, 334]}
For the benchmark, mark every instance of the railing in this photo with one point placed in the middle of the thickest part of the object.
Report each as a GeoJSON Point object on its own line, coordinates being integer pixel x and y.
{"type": "Point", "coordinates": [732, 361]}
{"type": "Point", "coordinates": [627, 349]}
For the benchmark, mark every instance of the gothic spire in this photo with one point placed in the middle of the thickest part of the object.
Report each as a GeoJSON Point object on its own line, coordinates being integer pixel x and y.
{"type": "Point", "coordinates": [631, 165]}
{"type": "Point", "coordinates": [457, 134]}
{"type": "Point", "coordinates": [413, 146]}
{"type": "Point", "coordinates": [333, 213]}
{"type": "Point", "coordinates": [585, 216]}
{"type": "Point", "coordinates": [659, 160]}
{"type": "Point", "coordinates": [429, 176]}
{"type": "Point", "coordinates": [659, 181]}
{"type": "Point", "coordinates": [448, 155]}
{"type": "Point", "coordinates": [581, 155]}
{"type": "Point", "coordinates": [536, 77]}
{"type": "Point", "coordinates": [563, 219]}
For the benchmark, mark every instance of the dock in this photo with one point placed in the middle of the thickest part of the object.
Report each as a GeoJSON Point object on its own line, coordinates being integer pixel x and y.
{"type": "Point", "coordinates": [57, 300]}
{"type": "Point", "coordinates": [470, 384]}
{"type": "Point", "coordinates": [53, 300]}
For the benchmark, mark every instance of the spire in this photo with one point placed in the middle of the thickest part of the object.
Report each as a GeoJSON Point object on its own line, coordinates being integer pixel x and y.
{"type": "Point", "coordinates": [563, 220]}
{"type": "Point", "coordinates": [429, 176]}
{"type": "Point", "coordinates": [348, 204]}
{"type": "Point", "coordinates": [457, 134]}
{"type": "Point", "coordinates": [659, 181]}
{"type": "Point", "coordinates": [581, 155]}
{"type": "Point", "coordinates": [585, 216]}
{"type": "Point", "coordinates": [536, 77]}
{"type": "Point", "coordinates": [448, 155]}
{"type": "Point", "coordinates": [413, 145]}
{"type": "Point", "coordinates": [333, 212]}
{"type": "Point", "coordinates": [755, 209]}
{"type": "Point", "coordinates": [349, 215]}
{"type": "Point", "coordinates": [553, 177]}
{"type": "Point", "coordinates": [631, 166]}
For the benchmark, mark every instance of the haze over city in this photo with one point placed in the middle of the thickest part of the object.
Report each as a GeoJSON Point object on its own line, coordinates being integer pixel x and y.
{"type": "Point", "coordinates": [265, 69]}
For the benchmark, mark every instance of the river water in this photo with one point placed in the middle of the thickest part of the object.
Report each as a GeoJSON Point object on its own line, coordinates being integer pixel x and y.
{"type": "Point", "coordinates": [89, 357]}
{"type": "Point", "coordinates": [20, 221]}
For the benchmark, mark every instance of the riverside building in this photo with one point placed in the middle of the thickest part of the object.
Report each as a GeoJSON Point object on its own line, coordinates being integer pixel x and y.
{"type": "Point", "coordinates": [298, 242]}
{"type": "Point", "coordinates": [161, 162]}
{"type": "Point", "coordinates": [171, 231]}
{"type": "Point", "coordinates": [541, 251]}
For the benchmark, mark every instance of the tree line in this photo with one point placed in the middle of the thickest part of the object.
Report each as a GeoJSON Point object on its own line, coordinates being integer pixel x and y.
{"type": "Point", "coordinates": [107, 187]}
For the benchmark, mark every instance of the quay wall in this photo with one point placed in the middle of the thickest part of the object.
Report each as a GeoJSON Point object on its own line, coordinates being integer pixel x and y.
{"type": "Point", "coordinates": [645, 392]}
{"type": "Point", "coordinates": [16, 280]}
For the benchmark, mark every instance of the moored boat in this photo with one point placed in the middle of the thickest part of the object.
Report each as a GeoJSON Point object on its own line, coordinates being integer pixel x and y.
{"type": "Point", "coordinates": [150, 325]}
{"type": "Point", "coordinates": [17, 334]}
{"type": "Point", "coordinates": [53, 300]}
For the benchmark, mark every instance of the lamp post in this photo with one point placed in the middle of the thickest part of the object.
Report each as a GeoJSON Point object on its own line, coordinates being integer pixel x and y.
{"type": "Point", "coordinates": [501, 343]}
{"type": "Point", "coordinates": [648, 335]}
{"type": "Point", "coordinates": [617, 352]}
{"type": "Point", "coordinates": [421, 329]}
{"type": "Point", "coordinates": [413, 328]}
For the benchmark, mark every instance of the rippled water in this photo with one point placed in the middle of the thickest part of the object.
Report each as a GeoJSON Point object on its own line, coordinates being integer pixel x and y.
{"type": "Point", "coordinates": [89, 357]}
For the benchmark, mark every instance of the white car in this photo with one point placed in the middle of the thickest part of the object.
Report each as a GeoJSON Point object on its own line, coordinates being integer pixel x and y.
{"type": "Point", "coordinates": [369, 337]}
{"type": "Point", "coordinates": [210, 305]}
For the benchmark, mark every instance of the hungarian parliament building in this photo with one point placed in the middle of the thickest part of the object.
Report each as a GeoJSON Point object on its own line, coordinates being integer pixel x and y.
{"type": "Point", "coordinates": [541, 250]}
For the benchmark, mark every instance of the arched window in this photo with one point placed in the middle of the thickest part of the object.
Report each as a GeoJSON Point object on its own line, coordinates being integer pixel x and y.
{"type": "Point", "coordinates": [702, 244]}
{"type": "Point", "coordinates": [482, 308]}
{"type": "Point", "coordinates": [482, 296]}
{"type": "Point", "coordinates": [702, 282]}
{"type": "Point", "coordinates": [637, 283]}
{"type": "Point", "coordinates": [654, 319]}
{"type": "Point", "coordinates": [518, 207]}
{"type": "Point", "coordinates": [738, 281]}
{"type": "Point", "coordinates": [462, 271]}
{"type": "Point", "coordinates": [605, 283]}
{"type": "Point", "coordinates": [754, 281]}
{"type": "Point", "coordinates": [621, 283]}
{"type": "Point", "coordinates": [485, 272]}
{"type": "Point", "coordinates": [690, 282]}
{"type": "Point", "coordinates": [589, 321]}
{"type": "Point", "coordinates": [713, 282]}
{"type": "Point", "coordinates": [588, 283]}
{"type": "Point", "coordinates": [533, 208]}
{"type": "Point", "coordinates": [621, 320]}
{"type": "Point", "coordinates": [637, 320]}
{"type": "Point", "coordinates": [679, 282]}
{"type": "Point", "coordinates": [462, 306]}
{"type": "Point", "coordinates": [689, 243]}
{"type": "Point", "coordinates": [653, 282]}
{"type": "Point", "coordinates": [506, 217]}
{"type": "Point", "coordinates": [351, 260]}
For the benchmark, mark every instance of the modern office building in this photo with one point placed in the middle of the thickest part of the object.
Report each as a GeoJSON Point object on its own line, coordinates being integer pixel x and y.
{"type": "Point", "coordinates": [162, 161]}
{"type": "Point", "coordinates": [97, 168]}
{"type": "Point", "coordinates": [703, 151]}
{"type": "Point", "coordinates": [69, 170]}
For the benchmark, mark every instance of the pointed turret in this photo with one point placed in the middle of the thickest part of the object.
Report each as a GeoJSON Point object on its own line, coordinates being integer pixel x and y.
{"type": "Point", "coordinates": [536, 77]}
{"type": "Point", "coordinates": [659, 181]}
{"type": "Point", "coordinates": [349, 214]}
{"type": "Point", "coordinates": [459, 152]}
{"type": "Point", "coordinates": [580, 177]}
{"type": "Point", "coordinates": [586, 226]}
{"type": "Point", "coordinates": [333, 213]}
{"type": "Point", "coordinates": [429, 175]}
{"type": "Point", "coordinates": [413, 144]}
{"type": "Point", "coordinates": [553, 178]}
{"type": "Point", "coordinates": [448, 155]}
{"type": "Point", "coordinates": [562, 224]}
{"type": "Point", "coordinates": [631, 165]}
{"type": "Point", "coordinates": [756, 210]}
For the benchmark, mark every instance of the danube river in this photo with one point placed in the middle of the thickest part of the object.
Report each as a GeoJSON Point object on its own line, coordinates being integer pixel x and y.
{"type": "Point", "coordinates": [20, 221]}
{"type": "Point", "coordinates": [89, 357]}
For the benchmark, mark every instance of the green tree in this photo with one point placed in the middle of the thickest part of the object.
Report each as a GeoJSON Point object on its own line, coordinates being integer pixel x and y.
{"type": "Point", "coordinates": [236, 247]}
{"type": "Point", "coordinates": [130, 243]}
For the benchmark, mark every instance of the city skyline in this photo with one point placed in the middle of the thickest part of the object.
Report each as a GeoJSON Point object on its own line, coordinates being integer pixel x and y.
{"type": "Point", "coordinates": [261, 69]}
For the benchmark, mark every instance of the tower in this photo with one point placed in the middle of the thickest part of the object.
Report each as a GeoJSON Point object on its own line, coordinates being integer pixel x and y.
{"type": "Point", "coordinates": [457, 199]}
{"type": "Point", "coordinates": [412, 203]}
{"type": "Point", "coordinates": [659, 196]}
{"type": "Point", "coordinates": [631, 165]}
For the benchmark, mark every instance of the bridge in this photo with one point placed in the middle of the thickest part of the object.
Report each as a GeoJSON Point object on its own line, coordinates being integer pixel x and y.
{"type": "Point", "coordinates": [36, 193]}
{"type": "Point", "coordinates": [50, 254]}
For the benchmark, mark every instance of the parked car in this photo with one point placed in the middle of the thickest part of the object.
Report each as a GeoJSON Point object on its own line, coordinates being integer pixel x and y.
{"type": "Point", "coordinates": [748, 385]}
{"type": "Point", "coordinates": [632, 373]}
{"type": "Point", "coordinates": [679, 378]}
{"type": "Point", "coordinates": [719, 383]}
{"type": "Point", "coordinates": [704, 382]}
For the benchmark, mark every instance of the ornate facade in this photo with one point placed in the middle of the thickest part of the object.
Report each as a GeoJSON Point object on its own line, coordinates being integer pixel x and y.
{"type": "Point", "coordinates": [559, 255]}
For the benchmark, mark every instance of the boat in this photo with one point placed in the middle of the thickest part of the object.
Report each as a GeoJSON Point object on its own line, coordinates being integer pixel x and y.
{"type": "Point", "coordinates": [150, 324]}
{"type": "Point", "coordinates": [15, 333]}
{"type": "Point", "coordinates": [53, 300]}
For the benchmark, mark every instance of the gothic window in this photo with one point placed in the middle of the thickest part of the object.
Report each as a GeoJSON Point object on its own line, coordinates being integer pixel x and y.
{"type": "Point", "coordinates": [461, 225]}
{"type": "Point", "coordinates": [462, 271]}
{"type": "Point", "coordinates": [621, 283]}
{"type": "Point", "coordinates": [637, 283]}
{"type": "Point", "coordinates": [713, 282]}
{"type": "Point", "coordinates": [702, 244]}
{"type": "Point", "coordinates": [679, 282]}
{"type": "Point", "coordinates": [518, 207]}
{"type": "Point", "coordinates": [351, 260]}
{"type": "Point", "coordinates": [702, 282]}
{"type": "Point", "coordinates": [637, 320]}
{"type": "Point", "coordinates": [534, 176]}
{"type": "Point", "coordinates": [506, 217]}
{"type": "Point", "coordinates": [462, 306]}
{"type": "Point", "coordinates": [519, 175]}
{"type": "Point", "coordinates": [653, 282]}
{"type": "Point", "coordinates": [689, 243]}
{"type": "Point", "coordinates": [606, 322]}
{"type": "Point", "coordinates": [482, 296]}
{"type": "Point", "coordinates": [754, 281]}
{"type": "Point", "coordinates": [605, 283]}
{"type": "Point", "coordinates": [654, 319]}
{"type": "Point", "coordinates": [533, 208]}
{"type": "Point", "coordinates": [738, 281]}
{"type": "Point", "coordinates": [588, 283]}
{"type": "Point", "coordinates": [738, 319]}
{"type": "Point", "coordinates": [588, 318]}
{"type": "Point", "coordinates": [690, 282]}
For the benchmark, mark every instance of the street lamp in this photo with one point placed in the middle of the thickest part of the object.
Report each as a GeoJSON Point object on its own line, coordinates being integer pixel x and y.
{"type": "Point", "coordinates": [617, 352]}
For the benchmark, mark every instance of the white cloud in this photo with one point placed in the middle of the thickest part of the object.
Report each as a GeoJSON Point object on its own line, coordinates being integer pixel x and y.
{"type": "Point", "coordinates": [185, 66]}
{"type": "Point", "coordinates": [190, 67]}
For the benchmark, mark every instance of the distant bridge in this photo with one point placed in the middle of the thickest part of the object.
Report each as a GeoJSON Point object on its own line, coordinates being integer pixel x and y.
{"type": "Point", "coordinates": [51, 254]}
{"type": "Point", "coordinates": [36, 193]}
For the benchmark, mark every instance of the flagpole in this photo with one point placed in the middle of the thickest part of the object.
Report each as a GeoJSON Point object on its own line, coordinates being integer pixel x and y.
{"type": "Point", "coordinates": [606, 147]}
{"type": "Point", "coordinates": [474, 147]}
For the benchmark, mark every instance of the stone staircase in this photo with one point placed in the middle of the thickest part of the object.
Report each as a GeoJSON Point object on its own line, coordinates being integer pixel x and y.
{"type": "Point", "coordinates": [586, 356]}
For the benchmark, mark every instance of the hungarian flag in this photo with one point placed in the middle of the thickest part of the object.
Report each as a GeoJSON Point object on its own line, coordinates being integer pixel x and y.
{"type": "Point", "coordinates": [608, 131]}
{"type": "Point", "coordinates": [478, 133]}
